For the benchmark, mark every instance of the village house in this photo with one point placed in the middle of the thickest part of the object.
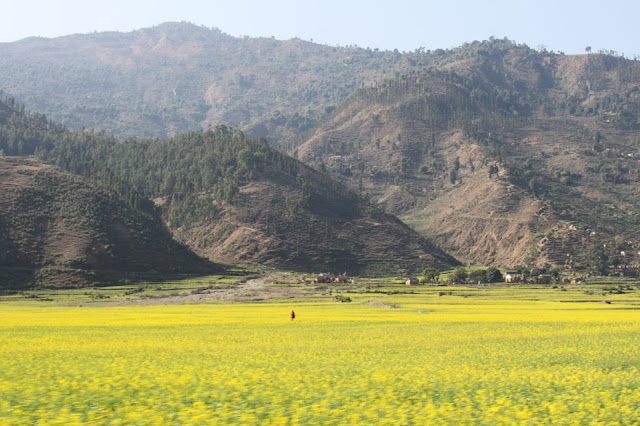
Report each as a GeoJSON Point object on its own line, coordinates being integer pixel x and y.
{"type": "Point", "coordinates": [412, 281]}
{"type": "Point", "coordinates": [330, 278]}
{"type": "Point", "coordinates": [341, 279]}
{"type": "Point", "coordinates": [544, 279]}
{"type": "Point", "coordinates": [324, 278]}
{"type": "Point", "coordinates": [512, 277]}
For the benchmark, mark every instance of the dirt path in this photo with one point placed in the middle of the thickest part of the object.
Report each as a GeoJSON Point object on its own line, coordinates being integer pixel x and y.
{"type": "Point", "coordinates": [256, 289]}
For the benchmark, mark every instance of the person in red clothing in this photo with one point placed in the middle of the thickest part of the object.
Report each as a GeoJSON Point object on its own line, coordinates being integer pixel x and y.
{"type": "Point", "coordinates": [293, 315]}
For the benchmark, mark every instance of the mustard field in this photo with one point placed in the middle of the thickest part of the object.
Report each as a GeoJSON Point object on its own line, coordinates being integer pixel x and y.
{"type": "Point", "coordinates": [434, 360]}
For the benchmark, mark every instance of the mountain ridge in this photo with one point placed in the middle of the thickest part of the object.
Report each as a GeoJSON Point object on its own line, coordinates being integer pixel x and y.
{"type": "Point", "coordinates": [551, 139]}
{"type": "Point", "coordinates": [177, 77]}
{"type": "Point", "coordinates": [520, 131]}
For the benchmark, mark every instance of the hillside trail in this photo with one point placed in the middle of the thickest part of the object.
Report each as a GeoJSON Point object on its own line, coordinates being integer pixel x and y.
{"type": "Point", "coordinates": [252, 290]}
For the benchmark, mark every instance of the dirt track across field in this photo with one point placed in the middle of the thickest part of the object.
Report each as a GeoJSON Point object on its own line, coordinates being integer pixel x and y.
{"type": "Point", "coordinates": [255, 289]}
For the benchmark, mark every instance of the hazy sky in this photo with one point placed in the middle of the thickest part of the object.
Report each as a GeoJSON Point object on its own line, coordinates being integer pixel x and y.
{"type": "Point", "coordinates": [559, 25]}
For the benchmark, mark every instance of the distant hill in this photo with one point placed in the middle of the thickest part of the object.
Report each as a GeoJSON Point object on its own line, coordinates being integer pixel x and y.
{"type": "Point", "coordinates": [232, 199]}
{"type": "Point", "coordinates": [501, 154]}
{"type": "Point", "coordinates": [57, 229]}
{"type": "Point", "coordinates": [176, 77]}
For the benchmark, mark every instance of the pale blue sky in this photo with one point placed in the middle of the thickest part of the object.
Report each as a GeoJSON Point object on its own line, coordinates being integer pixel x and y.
{"type": "Point", "coordinates": [559, 25]}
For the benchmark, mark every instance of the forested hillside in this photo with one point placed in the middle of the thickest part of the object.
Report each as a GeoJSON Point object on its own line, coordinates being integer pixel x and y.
{"type": "Point", "coordinates": [233, 199]}
{"type": "Point", "coordinates": [502, 154]}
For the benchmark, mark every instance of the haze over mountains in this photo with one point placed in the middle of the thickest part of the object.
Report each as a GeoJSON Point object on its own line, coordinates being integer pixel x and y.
{"type": "Point", "coordinates": [499, 153]}
{"type": "Point", "coordinates": [176, 77]}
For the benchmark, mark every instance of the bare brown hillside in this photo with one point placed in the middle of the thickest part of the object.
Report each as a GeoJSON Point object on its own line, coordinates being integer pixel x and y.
{"type": "Point", "coordinates": [277, 220]}
{"type": "Point", "coordinates": [501, 155]}
{"type": "Point", "coordinates": [58, 230]}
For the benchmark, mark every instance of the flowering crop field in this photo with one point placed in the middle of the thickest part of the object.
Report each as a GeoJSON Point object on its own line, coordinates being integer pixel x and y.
{"type": "Point", "coordinates": [431, 361]}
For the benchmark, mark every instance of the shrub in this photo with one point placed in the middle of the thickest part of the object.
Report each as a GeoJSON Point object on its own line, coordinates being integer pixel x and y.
{"type": "Point", "coordinates": [494, 275]}
{"type": "Point", "coordinates": [431, 274]}
{"type": "Point", "coordinates": [479, 275]}
{"type": "Point", "coordinates": [459, 275]}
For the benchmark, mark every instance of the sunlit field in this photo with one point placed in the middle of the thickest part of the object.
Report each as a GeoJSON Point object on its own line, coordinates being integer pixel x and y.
{"type": "Point", "coordinates": [468, 357]}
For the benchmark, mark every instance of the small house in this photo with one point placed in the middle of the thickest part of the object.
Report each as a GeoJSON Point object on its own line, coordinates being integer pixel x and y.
{"type": "Point", "coordinates": [512, 277]}
{"type": "Point", "coordinates": [412, 281]}
{"type": "Point", "coordinates": [544, 279]}
{"type": "Point", "coordinates": [341, 279]}
{"type": "Point", "coordinates": [324, 278]}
